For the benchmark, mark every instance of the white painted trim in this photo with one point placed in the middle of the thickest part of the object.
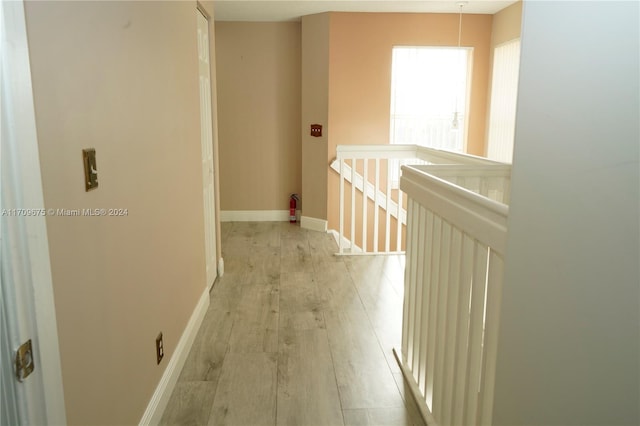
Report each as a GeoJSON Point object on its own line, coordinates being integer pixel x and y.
{"type": "Point", "coordinates": [220, 267]}
{"type": "Point", "coordinates": [405, 152]}
{"type": "Point", "coordinates": [41, 397]}
{"type": "Point", "coordinates": [479, 217]}
{"type": "Point", "coordinates": [313, 224]}
{"type": "Point", "coordinates": [345, 243]}
{"type": "Point", "coordinates": [415, 390]}
{"type": "Point", "coordinates": [206, 143]}
{"type": "Point", "coordinates": [160, 398]}
{"type": "Point", "coordinates": [254, 216]}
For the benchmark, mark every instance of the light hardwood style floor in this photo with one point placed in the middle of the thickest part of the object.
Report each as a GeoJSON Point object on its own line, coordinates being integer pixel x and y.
{"type": "Point", "coordinates": [296, 336]}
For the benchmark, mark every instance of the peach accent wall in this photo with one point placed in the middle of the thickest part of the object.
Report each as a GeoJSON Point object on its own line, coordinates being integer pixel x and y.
{"type": "Point", "coordinates": [259, 103]}
{"type": "Point", "coordinates": [121, 77]}
{"type": "Point", "coordinates": [360, 76]}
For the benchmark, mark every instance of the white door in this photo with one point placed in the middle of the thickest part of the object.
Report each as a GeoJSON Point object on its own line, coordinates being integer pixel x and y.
{"type": "Point", "coordinates": [27, 311]}
{"type": "Point", "coordinates": [206, 138]}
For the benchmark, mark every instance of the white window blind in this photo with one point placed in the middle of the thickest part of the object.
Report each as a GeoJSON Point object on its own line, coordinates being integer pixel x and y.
{"type": "Point", "coordinates": [504, 93]}
{"type": "Point", "coordinates": [429, 96]}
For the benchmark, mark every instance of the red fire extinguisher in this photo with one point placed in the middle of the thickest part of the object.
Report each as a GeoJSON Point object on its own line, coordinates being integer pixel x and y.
{"type": "Point", "coordinates": [292, 207]}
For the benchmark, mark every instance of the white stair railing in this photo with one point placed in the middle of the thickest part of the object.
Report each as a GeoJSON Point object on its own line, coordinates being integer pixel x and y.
{"type": "Point", "coordinates": [453, 284]}
{"type": "Point", "coordinates": [369, 180]}
{"type": "Point", "coordinates": [492, 181]}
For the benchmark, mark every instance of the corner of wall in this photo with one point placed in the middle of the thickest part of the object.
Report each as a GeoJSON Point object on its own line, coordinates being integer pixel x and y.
{"type": "Point", "coordinates": [315, 101]}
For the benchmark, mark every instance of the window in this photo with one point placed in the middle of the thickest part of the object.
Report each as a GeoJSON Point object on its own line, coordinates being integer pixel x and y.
{"type": "Point", "coordinates": [504, 93]}
{"type": "Point", "coordinates": [429, 94]}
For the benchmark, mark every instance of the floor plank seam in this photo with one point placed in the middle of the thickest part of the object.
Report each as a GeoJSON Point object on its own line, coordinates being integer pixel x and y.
{"type": "Point", "coordinates": [333, 364]}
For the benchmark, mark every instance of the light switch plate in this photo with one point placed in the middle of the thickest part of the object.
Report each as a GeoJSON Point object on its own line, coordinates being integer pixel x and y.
{"type": "Point", "coordinates": [90, 169]}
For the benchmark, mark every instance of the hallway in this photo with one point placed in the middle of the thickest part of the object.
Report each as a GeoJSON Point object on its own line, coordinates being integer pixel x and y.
{"type": "Point", "coordinates": [296, 336]}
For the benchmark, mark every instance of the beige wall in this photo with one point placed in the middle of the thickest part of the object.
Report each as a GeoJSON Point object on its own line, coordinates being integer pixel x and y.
{"type": "Point", "coordinates": [120, 77]}
{"type": "Point", "coordinates": [345, 79]}
{"type": "Point", "coordinates": [506, 24]}
{"type": "Point", "coordinates": [315, 110]}
{"type": "Point", "coordinates": [258, 77]}
{"type": "Point", "coordinates": [360, 76]}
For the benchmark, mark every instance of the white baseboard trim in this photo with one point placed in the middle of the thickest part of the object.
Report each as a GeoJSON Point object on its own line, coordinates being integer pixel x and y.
{"type": "Point", "coordinates": [313, 224]}
{"type": "Point", "coordinates": [160, 398]}
{"type": "Point", "coordinates": [220, 267]}
{"type": "Point", "coordinates": [254, 216]}
{"type": "Point", "coordinates": [415, 391]}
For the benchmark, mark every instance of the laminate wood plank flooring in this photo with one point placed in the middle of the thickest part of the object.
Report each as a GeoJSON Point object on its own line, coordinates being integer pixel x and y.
{"type": "Point", "coordinates": [307, 391]}
{"type": "Point", "coordinates": [296, 336]}
{"type": "Point", "coordinates": [246, 392]}
{"type": "Point", "coordinates": [191, 403]}
{"type": "Point", "coordinates": [362, 374]}
{"type": "Point", "coordinates": [255, 323]}
{"type": "Point", "coordinates": [377, 417]}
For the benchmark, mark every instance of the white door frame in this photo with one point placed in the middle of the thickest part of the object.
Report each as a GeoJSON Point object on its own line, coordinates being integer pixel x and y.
{"type": "Point", "coordinates": [26, 272]}
{"type": "Point", "coordinates": [206, 139]}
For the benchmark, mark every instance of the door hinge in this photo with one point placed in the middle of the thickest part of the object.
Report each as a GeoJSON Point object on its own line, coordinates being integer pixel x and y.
{"type": "Point", "coordinates": [24, 361]}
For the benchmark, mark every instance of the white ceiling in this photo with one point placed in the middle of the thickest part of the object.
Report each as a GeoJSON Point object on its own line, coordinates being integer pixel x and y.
{"type": "Point", "coordinates": [292, 10]}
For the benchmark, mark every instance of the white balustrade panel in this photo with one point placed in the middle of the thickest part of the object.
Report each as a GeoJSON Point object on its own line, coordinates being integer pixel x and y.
{"type": "Point", "coordinates": [372, 207]}
{"type": "Point", "coordinates": [371, 227]}
{"type": "Point", "coordinates": [453, 284]}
